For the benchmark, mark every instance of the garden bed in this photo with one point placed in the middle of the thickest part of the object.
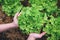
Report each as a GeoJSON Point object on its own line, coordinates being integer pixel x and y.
{"type": "Point", "coordinates": [14, 33]}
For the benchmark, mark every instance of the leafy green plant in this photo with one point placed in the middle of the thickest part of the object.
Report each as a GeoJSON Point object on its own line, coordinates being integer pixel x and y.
{"type": "Point", "coordinates": [11, 6]}
{"type": "Point", "coordinates": [30, 20]}
{"type": "Point", "coordinates": [49, 6]}
{"type": "Point", "coordinates": [53, 28]}
{"type": "Point", "coordinates": [0, 2]}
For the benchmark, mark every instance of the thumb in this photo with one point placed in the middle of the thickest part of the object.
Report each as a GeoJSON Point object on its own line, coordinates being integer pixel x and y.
{"type": "Point", "coordinates": [16, 14]}
{"type": "Point", "coordinates": [19, 14]}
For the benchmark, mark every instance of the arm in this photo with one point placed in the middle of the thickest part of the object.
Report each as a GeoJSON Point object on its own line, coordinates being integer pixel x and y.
{"type": "Point", "coordinates": [14, 24]}
{"type": "Point", "coordinates": [7, 26]}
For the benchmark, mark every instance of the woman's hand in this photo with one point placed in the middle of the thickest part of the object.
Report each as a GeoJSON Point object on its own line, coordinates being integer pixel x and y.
{"type": "Point", "coordinates": [15, 21]}
{"type": "Point", "coordinates": [33, 36]}
{"type": "Point", "coordinates": [14, 24]}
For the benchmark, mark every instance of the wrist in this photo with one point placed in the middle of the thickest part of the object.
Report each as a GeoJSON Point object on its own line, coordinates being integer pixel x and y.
{"type": "Point", "coordinates": [14, 24]}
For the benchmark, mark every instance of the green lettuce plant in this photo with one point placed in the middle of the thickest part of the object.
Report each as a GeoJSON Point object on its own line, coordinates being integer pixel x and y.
{"type": "Point", "coordinates": [0, 0]}
{"type": "Point", "coordinates": [53, 28]}
{"type": "Point", "coordinates": [30, 20]}
{"type": "Point", "coordinates": [10, 7]}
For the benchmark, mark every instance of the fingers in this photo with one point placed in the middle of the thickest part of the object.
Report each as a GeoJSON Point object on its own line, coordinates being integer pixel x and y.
{"type": "Point", "coordinates": [38, 35]}
{"type": "Point", "coordinates": [17, 14]}
{"type": "Point", "coordinates": [42, 34]}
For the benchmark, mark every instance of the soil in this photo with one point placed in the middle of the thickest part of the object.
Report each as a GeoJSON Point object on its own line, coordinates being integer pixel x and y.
{"type": "Point", "coordinates": [58, 3]}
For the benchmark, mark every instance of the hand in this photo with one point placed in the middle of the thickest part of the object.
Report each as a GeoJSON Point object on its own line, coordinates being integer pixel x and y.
{"type": "Point", "coordinates": [15, 21]}
{"type": "Point", "coordinates": [33, 36]}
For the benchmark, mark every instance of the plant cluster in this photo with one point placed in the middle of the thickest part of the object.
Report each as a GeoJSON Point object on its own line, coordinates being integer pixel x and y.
{"type": "Point", "coordinates": [10, 7]}
{"type": "Point", "coordinates": [52, 28]}
{"type": "Point", "coordinates": [0, 0]}
{"type": "Point", "coordinates": [30, 20]}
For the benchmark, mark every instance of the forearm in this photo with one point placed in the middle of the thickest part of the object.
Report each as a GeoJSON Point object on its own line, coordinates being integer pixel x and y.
{"type": "Point", "coordinates": [7, 26]}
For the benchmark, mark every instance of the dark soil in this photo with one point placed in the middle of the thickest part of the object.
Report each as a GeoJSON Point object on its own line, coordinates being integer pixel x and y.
{"type": "Point", "coordinates": [58, 3]}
